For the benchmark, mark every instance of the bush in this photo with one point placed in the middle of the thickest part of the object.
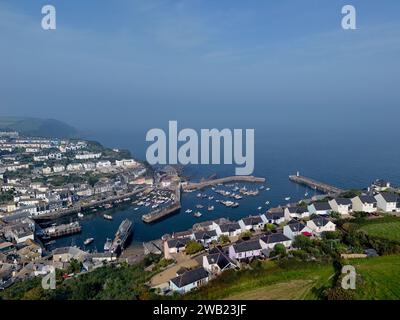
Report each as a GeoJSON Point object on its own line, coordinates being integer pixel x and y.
{"type": "Point", "coordinates": [279, 250]}
{"type": "Point", "coordinates": [224, 239]}
{"type": "Point", "coordinates": [302, 242]}
{"type": "Point", "coordinates": [245, 235]}
{"type": "Point", "coordinates": [193, 247]}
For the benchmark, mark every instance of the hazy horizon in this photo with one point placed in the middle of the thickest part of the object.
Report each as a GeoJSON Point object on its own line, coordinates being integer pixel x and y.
{"type": "Point", "coordinates": [138, 64]}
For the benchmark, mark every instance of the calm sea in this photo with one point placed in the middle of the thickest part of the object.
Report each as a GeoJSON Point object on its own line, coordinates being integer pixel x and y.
{"type": "Point", "coordinates": [345, 158]}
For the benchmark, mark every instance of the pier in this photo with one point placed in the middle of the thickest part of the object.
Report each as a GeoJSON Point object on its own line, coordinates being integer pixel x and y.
{"type": "Point", "coordinates": [61, 230]}
{"type": "Point", "coordinates": [161, 213]}
{"type": "Point", "coordinates": [212, 182]}
{"type": "Point", "coordinates": [316, 185]}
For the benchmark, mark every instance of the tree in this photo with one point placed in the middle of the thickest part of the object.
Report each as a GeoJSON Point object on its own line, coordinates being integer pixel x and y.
{"type": "Point", "coordinates": [335, 215]}
{"type": "Point", "coordinates": [302, 242]}
{"type": "Point", "coordinates": [193, 247]}
{"type": "Point", "coordinates": [279, 250]}
{"type": "Point", "coordinates": [224, 239]}
{"type": "Point", "coordinates": [269, 227]}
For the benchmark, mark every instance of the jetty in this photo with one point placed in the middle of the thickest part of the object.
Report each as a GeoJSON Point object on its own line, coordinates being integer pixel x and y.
{"type": "Point", "coordinates": [61, 230]}
{"type": "Point", "coordinates": [316, 185]}
{"type": "Point", "coordinates": [207, 183]}
{"type": "Point", "coordinates": [161, 213]}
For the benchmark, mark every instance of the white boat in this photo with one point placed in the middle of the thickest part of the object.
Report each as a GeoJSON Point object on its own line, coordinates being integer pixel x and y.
{"type": "Point", "coordinates": [287, 198]}
{"type": "Point", "coordinates": [189, 211]}
{"type": "Point", "coordinates": [199, 206]}
{"type": "Point", "coordinates": [266, 202]}
{"type": "Point", "coordinates": [197, 214]}
{"type": "Point", "coordinates": [259, 208]}
{"type": "Point", "coordinates": [80, 215]}
{"type": "Point", "coordinates": [210, 208]}
{"type": "Point", "coordinates": [107, 245]}
{"type": "Point", "coordinates": [262, 187]}
{"type": "Point", "coordinates": [306, 194]}
{"type": "Point", "coordinates": [210, 198]}
{"type": "Point", "coordinates": [88, 241]}
{"type": "Point", "coordinates": [136, 209]}
{"type": "Point", "coordinates": [199, 195]}
{"type": "Point", "coordinates": [268, 189]}
{"type": "Point", "coordinates": [107, 217]}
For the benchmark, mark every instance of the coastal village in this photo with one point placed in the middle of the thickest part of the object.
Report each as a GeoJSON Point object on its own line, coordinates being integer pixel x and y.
{"type": "Point", "coordinates": [42, 180]}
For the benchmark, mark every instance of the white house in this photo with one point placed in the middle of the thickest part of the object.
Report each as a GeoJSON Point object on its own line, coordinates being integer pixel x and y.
{"type": "Point", "coordinates": [276, 216]}
{"type": "Point", "coordinates": [245, 250]}
{"type": "Point", "coordinates": [297, 212]}
{"type": "Point", "coordinates": [380, 185]}
{"type": "Point", "coordinates": [388, 202]}
{"type": "Point", "coordinates": [252, 223]}
{"type": "Point", "coordinates": [321, 224]}
{"type": "Point", "coordinates": [320, 208]}
{"type": "Point", "coordinates": [295, 228]}
{"type": "Point", "coordinates": [205, 237]}
{"type": "Point", "coordinates": [174, 246]}
{"type": "Point", "coordinates": [229, 229]}
{"type": "Point", "coordinates": [364, 203]}
{"type": "Point", "coordinates": [189, 280]}
{"type": "Point", "coordinates": [269, 241]}
{"type": "Point", "coordinates": [217, 261]}
{"type": "Point", "coordinates": [341, 205]}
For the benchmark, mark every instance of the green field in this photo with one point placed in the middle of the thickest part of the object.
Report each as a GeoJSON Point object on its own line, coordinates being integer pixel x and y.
{"type": "Point", "coordinates": [378, 278]}
{"type": "Point", "coordinates": [383, 228]}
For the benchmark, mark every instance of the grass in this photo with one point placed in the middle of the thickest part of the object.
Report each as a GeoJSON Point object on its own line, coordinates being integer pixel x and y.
{"type": "Point", "coordinates": [270, 281]}
{"type": "Point", "coordinates": [383, 228]}
{"type": "Point", "coordinates": [377, 278]}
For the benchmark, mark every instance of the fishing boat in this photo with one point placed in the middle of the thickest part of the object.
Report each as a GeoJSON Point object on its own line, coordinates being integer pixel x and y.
{"type": "Point", "coordinates": [197, 214]}
{"type": "Point", "coordinates": [268, 189]}
{"type": "Point", "coordinates": [262, 187]}
{"type": "Point", "coordinates": [306, 194]}
{"type": "Point", "coordinates": [199, 206]}
{"type": "Point", "coordinates": [80, 215]}
{"type": "Point", "coordinates": [107, 217]}
{"type": "Point", "coordinates": [210, 208]}
{"type": "Point", "coordinates": [107, 245]}
{"type": "Point", "coordinates": [88, 241]}
{"type": "Point", "coordinates": [189, 211]}
{"type": "Point", "coordinates": [259, 208]}
{"type": "Point", "coordinates": [136, 209]}
{"type": "Point", "coordinates": [235, 205]}
{"type": "Point", "coordinates": [210, 198]}
{"type": "Point", "coordinates": [287, 198]}
{"type": "Point", "coordinates": [108, 206]}
{"type": "Point", "coordinates": [199, 195]}
{"type": "Point", "coordinates": [266, 202]}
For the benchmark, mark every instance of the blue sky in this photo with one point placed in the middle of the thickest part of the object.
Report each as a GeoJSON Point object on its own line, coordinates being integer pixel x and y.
{"type": "Point", "coordinates": [140, 63]}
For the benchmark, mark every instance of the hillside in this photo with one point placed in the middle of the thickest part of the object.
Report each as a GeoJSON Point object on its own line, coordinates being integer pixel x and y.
{"type": "Point", "coordinates": [37, 127]}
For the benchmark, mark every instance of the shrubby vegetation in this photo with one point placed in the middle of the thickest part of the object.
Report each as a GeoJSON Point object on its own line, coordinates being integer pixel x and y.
{"type": "Point", "coordinates": [193, 247]}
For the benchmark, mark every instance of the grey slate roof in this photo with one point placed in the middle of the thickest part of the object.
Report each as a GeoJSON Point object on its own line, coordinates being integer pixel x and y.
{"type": "Point", "coordinates": [178, 243]}
{"type": "Point", "coordinates": [320, 206]}
{"type": "Point", "coordinates": [190, 277]}
{"type": "Point", "coordinates": [390, 197]}
{"type": "Point", "coordinates": [367, 199]}
{"type": "Point", "coordinates": [251, 221]}
{"type": "Point", "coordinates": [229, 227]}
{"type": "Point", "coordinates": [205, 235]}
{"type": "Point", "coordinates": [245, 246]}
{"type": "Point", "coordinates": [298, 210]}
{"type": "Point", "coordinates": [343, 201]}
{"type": "Point", "coordinates": [320, 221]}
{"type": "Point", "coordinates": [274, 238]}
{"type": "Point", "coordinates": [296, 226]}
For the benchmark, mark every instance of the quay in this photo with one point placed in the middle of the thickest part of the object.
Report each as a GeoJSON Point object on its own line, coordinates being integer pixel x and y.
{"type": "Point", "coordinates": [207, 183]}
{"type": "Point", "coordinates": [161, 213]}
{"type": "Point", "coordinates": [320, 186]}
{"type": "Point", "coordinates": [61, 230]}
{"type": "Point", "coordinates": [86, 205]}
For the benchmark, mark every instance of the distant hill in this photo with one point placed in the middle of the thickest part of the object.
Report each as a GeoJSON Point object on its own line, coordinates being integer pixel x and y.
{"type": "Point", "coordinates": [38, 127]}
